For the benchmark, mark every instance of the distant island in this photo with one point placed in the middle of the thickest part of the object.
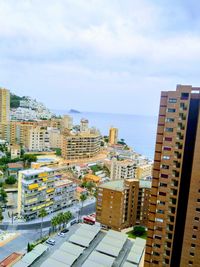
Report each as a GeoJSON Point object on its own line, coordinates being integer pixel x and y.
{"type": "Point", "coordinates": [74, 111]}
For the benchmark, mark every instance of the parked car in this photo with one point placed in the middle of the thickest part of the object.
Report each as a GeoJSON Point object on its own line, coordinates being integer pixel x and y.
{"type": "Point", "coordinates": [51, 242]}
{"type": "Point", "coordinates": [65, 231]}
{"type": "Point", "coordinates": [73, 222]}
{"type": "Point", "coordinates": [61, 234]}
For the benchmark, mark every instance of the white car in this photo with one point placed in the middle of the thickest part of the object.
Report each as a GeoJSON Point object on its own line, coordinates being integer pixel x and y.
{"type": "Point", "coordinates": [61, 234]}
{"type": "Point", "coordinates": [51, 242]}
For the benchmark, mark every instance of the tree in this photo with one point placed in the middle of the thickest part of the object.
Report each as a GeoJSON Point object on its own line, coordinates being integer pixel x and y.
{"type": "Point", "coordinates": [1, 215]}
{"type": "Point", "coordinates": [139, 230]}
{"type": "Point", "coordinates": [83, 197]}
{"type": "Point", "coordinates": [10, 180]}
{"type": "Point", "coordinates": [90, 185]}
{"type": "Point", "coordinates": [67, 216]}
{"type": "Point", "coordinates": [28, 158]}
{"type": "Point", "coordinates": [54, 222]}
{"type": "Point", "coordinates": [58, 151]}
{"type": "Point", "coordinates": [3, 195]}
{"type": "Point", "coordinates": [42, 214]}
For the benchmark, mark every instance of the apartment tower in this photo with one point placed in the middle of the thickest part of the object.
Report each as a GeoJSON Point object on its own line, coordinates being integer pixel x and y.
{"type": "Point", "coordinates": [113, 136]}
{"type": "Point", "coordinates": [174, 214]}
{"type": "Point", "coordinates": [4, 105]}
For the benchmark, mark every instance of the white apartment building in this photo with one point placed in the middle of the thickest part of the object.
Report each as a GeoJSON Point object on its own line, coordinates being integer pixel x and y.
{"type": "Point", "coordinates": [39, 139]}
{"type": "Point", "coordinates": [122, 169]}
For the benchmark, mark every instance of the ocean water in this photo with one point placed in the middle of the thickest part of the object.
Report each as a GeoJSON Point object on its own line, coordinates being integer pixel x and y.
{"type": "Point", "coordinates": [138, 131]}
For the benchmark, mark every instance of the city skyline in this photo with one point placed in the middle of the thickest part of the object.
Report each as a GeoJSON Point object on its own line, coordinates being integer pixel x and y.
{"type": "Point", "coordinates": [100, 50]}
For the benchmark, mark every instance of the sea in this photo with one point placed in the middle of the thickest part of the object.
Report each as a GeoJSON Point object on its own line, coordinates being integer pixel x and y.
{"type": "Point", "coordinates": [139, 132]}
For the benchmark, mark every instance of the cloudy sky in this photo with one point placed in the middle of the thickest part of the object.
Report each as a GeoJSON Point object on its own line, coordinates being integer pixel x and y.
{"type": "Point", "coordinates": [99, 55]}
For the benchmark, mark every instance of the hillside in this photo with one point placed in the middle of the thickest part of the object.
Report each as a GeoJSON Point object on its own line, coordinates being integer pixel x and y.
{"type": "Point", "coordinates": [15, 100]}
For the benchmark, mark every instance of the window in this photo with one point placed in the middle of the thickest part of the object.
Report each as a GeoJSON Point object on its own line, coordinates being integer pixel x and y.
{"type": "Point", "coordinates": [163, 185]}
{"type": "Point", "coordinates": [167, 148]}
{"type": "Point", "coordinates": [169, 119]}
{"type": "Point", "coordinates": [196, 218]}
{"type": "Point", "coordinates": [166, 167]}
{"type": "Point", "coordinates": [164, 175]}
{"type": "Point", "coordinates": [171, 110]}
{"type": "Point", "coordinates": [195, 227]}
{"type": "Point", "coordinates": [194, 236]}
{"type": "Point", "coordinates": [168, 139]}
{"type": "Point", "coordinates": [193, 245]}
{"type": "Point", "coordinates": [198, 209]}
{"type": "Point", "coordinates": [162, 194]}
{"type": "Point", "coordinates": [172, 100]}
{"type": "Point", "coordinates": [198, 200]}
{"type": "Point", "coordinates": [169, 130]}
{"type": "Point", "coordinates": [184, 96]}
{"type": "Point", "coordinates": [166, 157]}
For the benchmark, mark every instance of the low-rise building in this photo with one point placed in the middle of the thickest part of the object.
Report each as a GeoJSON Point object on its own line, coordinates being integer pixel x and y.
{"type": "Point", "coordinates": [123, 203]}
{"type": "Point", "coordinates": [80, 191]}
{"type": "Point", "coordinates": [92, 178]}
{"type": "Point", "coordinates": [42, 189]}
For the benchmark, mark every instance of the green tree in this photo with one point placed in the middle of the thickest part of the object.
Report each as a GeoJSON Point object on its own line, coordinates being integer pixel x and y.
{"type": "Point", "coordinates": [139, 230]}
{"type": "Point", "coordinates": [90, 185]}
{"type": "Point", "coordinates": [67, 216]}
{"type": "Point", "coordinates": [58, 151]}
{"type": "Point", "coordinates": [1, 215]}
{"type": "Point", "coordinates": [42, 214]}
{"type": "Point", "coordinates": [83, 198]}
{"type": "Point", "coordinates": [3, 195]}
{"type": "Point", "coordinates": [11, 180]}
{"type": "Point", "coordinates": [28, 158]}
{"type": "Point", "coordinates": [54, 222]}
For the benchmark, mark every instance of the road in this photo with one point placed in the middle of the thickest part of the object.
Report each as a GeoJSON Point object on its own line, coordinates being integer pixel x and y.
{"type": "Point", "coordinates": [30, 232]}
{"type": "Point", "coordinates": [88, 208]}
{"type": "Point", "coordinates": [59, 241]}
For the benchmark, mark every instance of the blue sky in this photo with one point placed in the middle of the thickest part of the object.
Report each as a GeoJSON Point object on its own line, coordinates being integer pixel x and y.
{"type": "Point", "coordinates": [99, 55]}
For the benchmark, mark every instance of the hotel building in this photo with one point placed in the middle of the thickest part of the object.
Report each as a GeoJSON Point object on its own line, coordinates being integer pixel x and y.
{"type": "Point", "coordinates": [80, 145]}
{"type": "Point", "coordinates": [122, 169]}
{"type": "Point", "coordinates": [174, 215]}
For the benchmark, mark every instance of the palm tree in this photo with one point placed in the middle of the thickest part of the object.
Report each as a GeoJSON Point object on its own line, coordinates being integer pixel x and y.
{"type": "Point", "coordinates": [60, 218]}
{"type": "Point", "coordinates": [83, 197]}
{"type": "Point", "coordinates": [42, 214]}
{"type": "Point", "coordinates": [54, 222]}
{"type": "Point", "coordinates": [67, 216]}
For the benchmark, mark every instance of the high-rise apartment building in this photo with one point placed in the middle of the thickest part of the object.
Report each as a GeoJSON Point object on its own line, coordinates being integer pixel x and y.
{"type": "Point", "coordinates": [123, 203]}
{"type": "Point", "coordinates": [174, 216]}
{"type": "Point", "coordinates": [113, 136]}
{"type": "Point", "coordinates": [4, 105]}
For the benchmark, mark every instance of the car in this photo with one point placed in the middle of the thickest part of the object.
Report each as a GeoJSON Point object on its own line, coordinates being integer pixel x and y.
{"type": "Point", "coordinates": [51, 242]}
{"type": "Point", "coordinates": [61, 234]}
{"type": "Point", "coordinates": [73, 222]}
{"type": "Point", "coordinates": [65, 231]}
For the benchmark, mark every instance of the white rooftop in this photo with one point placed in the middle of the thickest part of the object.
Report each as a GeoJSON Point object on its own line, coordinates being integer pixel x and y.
{"type": "Point", "coordinates": [30, 172]}
{"type": "Point", "coordinates": [71, 248]}
{"type": "Point", "coordinates": [52, 263]}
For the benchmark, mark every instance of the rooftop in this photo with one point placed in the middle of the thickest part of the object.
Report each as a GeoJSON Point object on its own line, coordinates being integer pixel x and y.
{"type": "Point", "coordinates": [117, 185]}
{"type": "Point", "coordinates": [61, 183]}
{"type": "Point", "coordinates": [31, 172]}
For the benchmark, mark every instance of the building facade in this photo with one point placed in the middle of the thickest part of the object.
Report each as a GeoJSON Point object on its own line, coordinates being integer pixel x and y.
{"type": "Point", "coordinates": [113, 136]}
{"type": "Point", "coordinates": [80, 145]}
{"type": "Point", "coordinates": [122, 169]}
{"type": "Point", "coordinates": [174, 215]}
{"type": "Point", "coordinates": [4, 105]}
{"type": "Point", "coordinates": [123, 203]}
{"type": "Point", "coordinates": [43, 188]}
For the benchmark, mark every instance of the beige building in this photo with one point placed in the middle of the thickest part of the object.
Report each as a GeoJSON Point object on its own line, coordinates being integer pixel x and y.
{"type": "Point", "coordinates": [55, 138]}
{"type": "Point", "coordinates": [80, 145]}
{"type": "Point", "coordinates": [67, 122]}
{"type": "Point", "coordinates": [4, 105]}
{"type": "Point", "coordinates": [123, 203]}
{"type": "Point", "coordinates": [113, 136]}
{"type": "Point", "coordinates": [174, 214]}
{"type": "Point", "coordinates": [122, 169]}
{"type": "Point", "coordinates": [15, 151]}
{"type": "Point", "coordinates": [38, 139]}
{"type": "Point", "coordinates": [143, 171]}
